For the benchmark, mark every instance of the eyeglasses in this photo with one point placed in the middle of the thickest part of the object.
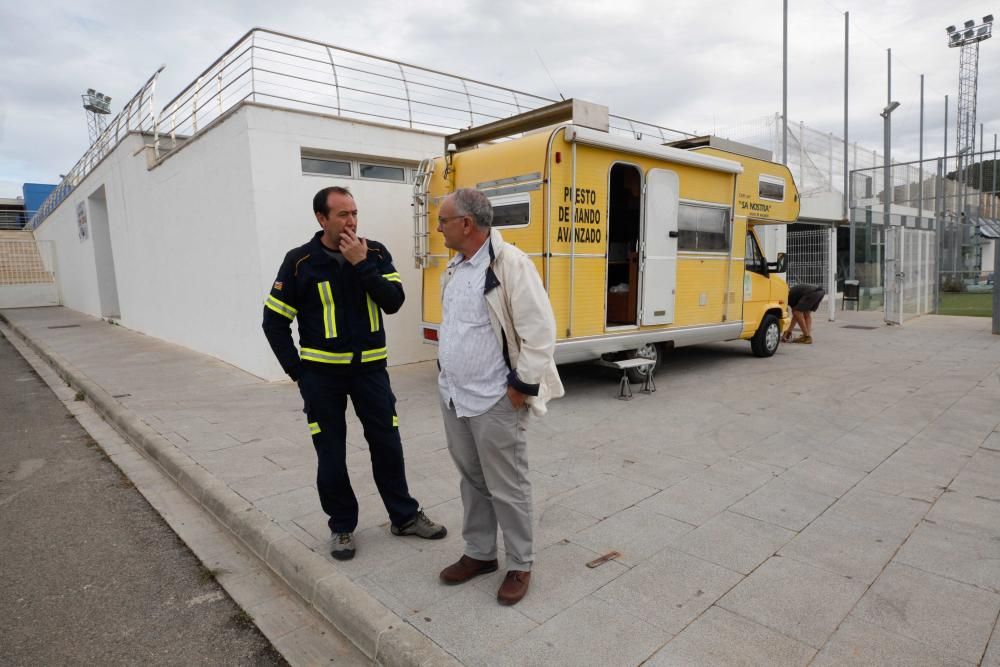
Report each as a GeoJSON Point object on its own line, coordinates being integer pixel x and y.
{"type": "Point", "coordinates": [441, 220]}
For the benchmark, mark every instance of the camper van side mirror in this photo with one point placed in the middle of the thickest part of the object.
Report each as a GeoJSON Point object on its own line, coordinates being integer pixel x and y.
{"type": "Point", "coordinates": [781, 266]}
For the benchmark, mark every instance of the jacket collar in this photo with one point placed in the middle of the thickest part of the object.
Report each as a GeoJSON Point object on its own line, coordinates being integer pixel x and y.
{"type": "Point", "coordinates": [317, 251]}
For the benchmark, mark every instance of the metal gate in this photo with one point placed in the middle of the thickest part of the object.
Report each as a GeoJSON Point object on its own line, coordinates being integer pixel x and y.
{"type": "Point", "coordinates": [808, 255]}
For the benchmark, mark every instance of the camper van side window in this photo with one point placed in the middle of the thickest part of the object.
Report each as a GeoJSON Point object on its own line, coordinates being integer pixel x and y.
{"type": "Point", "coordinates": [511, 215]}
{"type": "Point", "coordinates": [771, 187]}
{"type": "Point", "coordinates": [702, 228]}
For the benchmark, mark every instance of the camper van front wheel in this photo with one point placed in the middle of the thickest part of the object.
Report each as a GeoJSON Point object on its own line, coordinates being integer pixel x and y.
{"type": "Point", "coordinates": [647, 351]}
{"type": "Point", "coordinates": [765, 342]}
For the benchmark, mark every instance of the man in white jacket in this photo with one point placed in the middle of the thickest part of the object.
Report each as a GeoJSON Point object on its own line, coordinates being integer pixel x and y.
{"type": "Point", "coordinates": [496, 346]}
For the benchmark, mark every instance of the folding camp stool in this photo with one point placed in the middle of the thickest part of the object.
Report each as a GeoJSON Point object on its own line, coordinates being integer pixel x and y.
{"type": "Point", "coordinates": [625, 387]}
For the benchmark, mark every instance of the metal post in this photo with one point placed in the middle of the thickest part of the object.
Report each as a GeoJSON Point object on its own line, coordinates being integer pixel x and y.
{"type": "Point", "coordinates": [887, 150]}
{"type": "Point", "coordinates": [996, 290]}
{"type": "Point", "coordinates": [920, 163]}
{"type": "Point", "coordinates": [993, 190]}
{"type": "Point", "coordinates": [939, 209]}
{"type": "Point", "coordinates": [982, 157]}
{"type": "Point", "coordinates": [784, 83]}
{"type": "Point", "coordinates": [887, 193]}
{"type": "Point", "coordinates": [847, 43]}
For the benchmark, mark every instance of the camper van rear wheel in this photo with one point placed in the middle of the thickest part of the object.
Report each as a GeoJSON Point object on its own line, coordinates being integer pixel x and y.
{"type": "Point", "coordinates": [647, 351]}
{"type": "Point", "coordinates": [765, 342]}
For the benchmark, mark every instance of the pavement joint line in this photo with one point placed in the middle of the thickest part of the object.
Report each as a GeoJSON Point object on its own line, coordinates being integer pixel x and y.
{"type": "Point", "coordinates": [353, 611]}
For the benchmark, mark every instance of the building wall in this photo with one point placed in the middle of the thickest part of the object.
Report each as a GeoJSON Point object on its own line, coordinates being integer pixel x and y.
{"type": "Point", "coordinates": [197, 239]}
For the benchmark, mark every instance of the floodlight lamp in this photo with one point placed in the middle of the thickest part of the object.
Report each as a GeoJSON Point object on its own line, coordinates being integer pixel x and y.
{"type": "Point", "coordinates": [955, 37]}
{"type": "Point", "coordinates": [950, 29]}
{"type": "Point", "coordinates": [90, 91]}
{"type": "Point", "coordinates": [108, 100]}
{"type": "Point", "coordinates": [970, 23]}
{"type": "Point", "coordinates": [988, 18]}
{"type": "Point", "coordinates": [892, 106]}
{"type": "Point", "coordinates": [969, 33]}
{"type": "Point", "coordinates": [982, 30]}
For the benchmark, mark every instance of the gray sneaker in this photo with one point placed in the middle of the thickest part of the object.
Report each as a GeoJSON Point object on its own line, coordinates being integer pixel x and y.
{"type": "Point", "coordinates": [421, 526]}
{"type": "Point", "coordinates": [343, 546]}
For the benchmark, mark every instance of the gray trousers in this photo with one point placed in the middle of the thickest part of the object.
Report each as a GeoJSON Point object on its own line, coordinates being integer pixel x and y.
{"type": "Point", "coordinates": [489, 451]}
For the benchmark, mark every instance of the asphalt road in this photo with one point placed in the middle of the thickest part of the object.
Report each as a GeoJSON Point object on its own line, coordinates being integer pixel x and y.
{"type": "Point", "coordinates": [89, 572]}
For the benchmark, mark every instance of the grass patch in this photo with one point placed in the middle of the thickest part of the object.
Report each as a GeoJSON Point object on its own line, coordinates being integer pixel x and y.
{"type": "Point", "coordinates": [79, 396]}
{"type": "Point", "coordinates": [973, 305]}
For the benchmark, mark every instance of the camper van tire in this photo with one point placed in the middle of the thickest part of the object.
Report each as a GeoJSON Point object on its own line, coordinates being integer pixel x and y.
{"type": "Point", "coordinates": [647, 351]}
{"type": "Point", "coordinates": [765, 342]}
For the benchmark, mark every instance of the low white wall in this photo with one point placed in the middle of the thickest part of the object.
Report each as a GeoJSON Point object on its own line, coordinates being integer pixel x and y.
{"type": "Point", "coordinates": [28, 296]}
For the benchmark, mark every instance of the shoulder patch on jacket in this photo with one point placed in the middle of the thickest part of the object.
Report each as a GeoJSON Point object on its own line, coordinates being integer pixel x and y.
{"type": "Point", "coordinates": [278, 285]}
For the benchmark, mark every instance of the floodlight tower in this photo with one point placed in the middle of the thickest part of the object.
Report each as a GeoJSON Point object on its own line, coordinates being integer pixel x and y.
{"type": "Point", "coordinates": [968, 38]}
{"type": "Point", "coordinates": [98, 107]}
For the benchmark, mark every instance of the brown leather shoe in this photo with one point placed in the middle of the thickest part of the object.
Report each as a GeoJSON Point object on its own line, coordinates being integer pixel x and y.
{"type": "Point", "coordinates": [514, 587]}
{"type": "Point", "coordinates": [466, 568]}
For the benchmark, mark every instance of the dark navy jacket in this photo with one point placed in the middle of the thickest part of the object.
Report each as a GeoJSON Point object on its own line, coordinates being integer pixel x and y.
{"type": "Point", "coordinates": [339, 309]}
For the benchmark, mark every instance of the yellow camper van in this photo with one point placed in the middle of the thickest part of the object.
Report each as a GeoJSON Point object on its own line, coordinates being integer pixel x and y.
{"type": "Point", "coordinates": [641, 246]}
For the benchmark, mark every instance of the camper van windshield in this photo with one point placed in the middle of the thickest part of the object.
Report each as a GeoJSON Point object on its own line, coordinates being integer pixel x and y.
{"type": "Point", "coordinates": [703, 229]}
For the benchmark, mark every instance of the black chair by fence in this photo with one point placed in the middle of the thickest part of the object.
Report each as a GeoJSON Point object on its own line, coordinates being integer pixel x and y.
{"type": "Point", "coordinates": [852, 292]}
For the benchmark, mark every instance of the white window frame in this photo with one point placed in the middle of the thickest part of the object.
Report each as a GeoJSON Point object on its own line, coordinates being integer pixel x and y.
{"type": "Point", "coordinates": [355, 161]}
{"type": "Point", "coordinates": [515, 198]}
{"type": "Point", "coordinates": [728, 226]}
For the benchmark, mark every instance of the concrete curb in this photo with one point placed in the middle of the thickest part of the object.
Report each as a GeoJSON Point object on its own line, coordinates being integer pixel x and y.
{"type": "Point", "coordinates": [376, 630]}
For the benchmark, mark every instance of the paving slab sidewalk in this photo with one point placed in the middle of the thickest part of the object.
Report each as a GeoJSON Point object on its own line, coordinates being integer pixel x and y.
{"type": "Point", "coordinates": [836, 502]}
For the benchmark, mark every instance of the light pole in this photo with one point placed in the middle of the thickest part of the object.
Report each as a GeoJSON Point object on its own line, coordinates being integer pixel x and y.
{"type": "Point", "coordinates": [887, 165]}
{"type": "Point", "coordinates": [888, 192]}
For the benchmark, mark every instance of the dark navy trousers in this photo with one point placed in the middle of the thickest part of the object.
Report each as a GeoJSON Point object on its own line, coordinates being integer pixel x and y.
{"type": "Point", "coordinates": [325, 397]}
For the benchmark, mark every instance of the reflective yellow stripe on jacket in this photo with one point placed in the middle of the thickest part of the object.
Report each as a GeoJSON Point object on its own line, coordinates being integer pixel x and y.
{"type": "Point", "coordinates": [393, 277]}
{"type": "Point", "coordinates": [374, 355]}
{"type": "Point", "coordinates": [280, 307]}
{"type": "Point", "coordinates": [323, 357]}
{"type": "Point", "coordinates": [329, 313]}
{"type": "Point", "coordinates": [314, 428]}
{"type": "Point", "coordinates": [373, 315]}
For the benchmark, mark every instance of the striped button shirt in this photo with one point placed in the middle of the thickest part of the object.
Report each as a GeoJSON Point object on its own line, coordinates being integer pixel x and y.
{"type": "Point", "coordinates": [473, 371]}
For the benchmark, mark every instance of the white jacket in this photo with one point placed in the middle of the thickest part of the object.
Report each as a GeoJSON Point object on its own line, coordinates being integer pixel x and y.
{"type": "Point", "coordinates": [521, 316]}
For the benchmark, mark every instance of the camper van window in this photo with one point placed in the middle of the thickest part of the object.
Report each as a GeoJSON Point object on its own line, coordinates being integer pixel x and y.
{"type": "Point", "coordinates": [381, 172]}
{"type": "Point", "coordinates": [511, 215]}
{"type": "Point", "coordinates": [770, 187]}
{"type": "Point", "coordinates": [754, 258]}
{"type": "Point", "coordinates": [703, 228]}
{"type": "Point", "coordinates": [312, 165]}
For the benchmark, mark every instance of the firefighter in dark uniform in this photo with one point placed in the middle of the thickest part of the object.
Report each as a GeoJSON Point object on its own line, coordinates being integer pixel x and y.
{"type": "Point", "coordinates": [338, 285]}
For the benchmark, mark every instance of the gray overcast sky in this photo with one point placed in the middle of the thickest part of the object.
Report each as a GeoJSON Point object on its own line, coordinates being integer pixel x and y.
{"type": "Point", "coordinates": [688, 64]}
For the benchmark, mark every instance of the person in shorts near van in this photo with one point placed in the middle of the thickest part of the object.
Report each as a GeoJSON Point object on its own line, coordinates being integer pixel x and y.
{"type": "Point", "coordinates": [803, 300]}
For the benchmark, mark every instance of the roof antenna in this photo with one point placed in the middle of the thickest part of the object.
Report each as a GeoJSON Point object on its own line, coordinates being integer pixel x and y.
{"type": "Point", "coordinates": [554, 85]}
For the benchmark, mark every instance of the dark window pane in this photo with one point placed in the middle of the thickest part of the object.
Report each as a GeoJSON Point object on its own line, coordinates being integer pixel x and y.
{"type": "Point", "coordinates": [771, 190]}
{"type": "Point", "coordinates": [312, 165]}
{"type": "Point", "coordinates": [511, 215]}
{"type": "Point", "coordinates": [383, 173]}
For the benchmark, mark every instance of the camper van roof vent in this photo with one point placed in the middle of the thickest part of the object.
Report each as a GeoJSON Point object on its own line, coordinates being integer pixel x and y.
{"type": "Point", "coordinates": [728, 145]}
{"type": "Point", "coordinates": [578, 112]}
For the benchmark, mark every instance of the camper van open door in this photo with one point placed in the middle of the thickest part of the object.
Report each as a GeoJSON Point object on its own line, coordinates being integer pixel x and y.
{"type": "Point", "coordinates": [659, 258]}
